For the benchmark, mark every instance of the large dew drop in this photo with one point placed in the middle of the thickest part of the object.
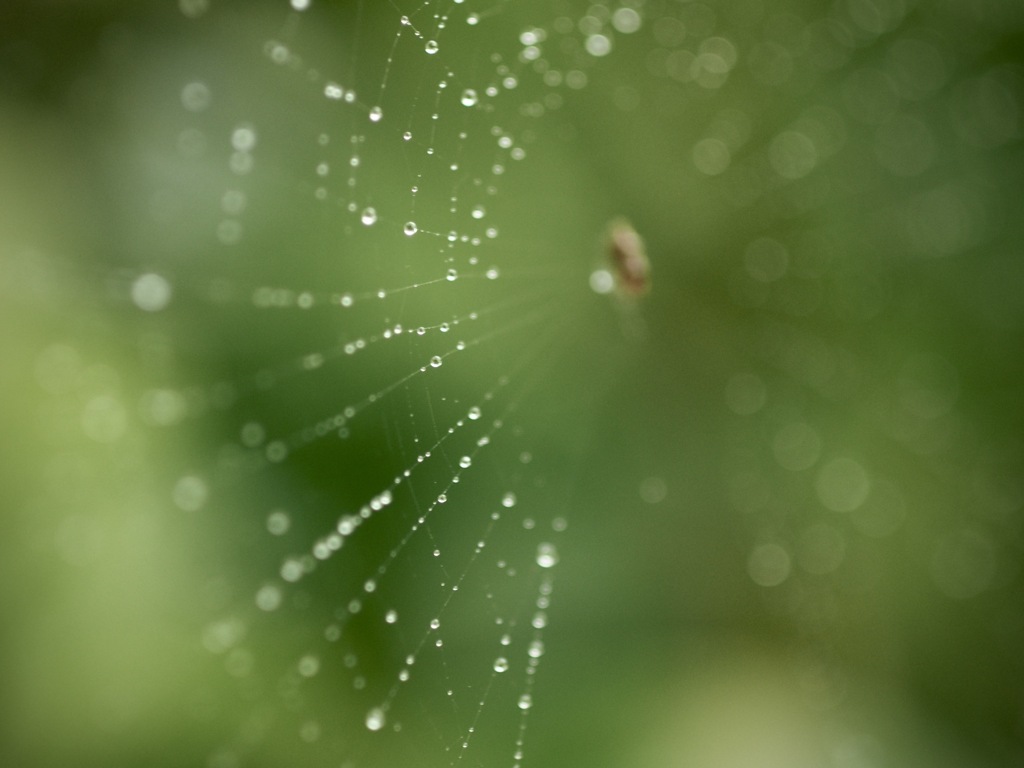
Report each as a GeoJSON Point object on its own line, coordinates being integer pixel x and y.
{"type": "Point", "coordinates": [375, 719]}
{"type": "Point", "coordinates": [547, 555]}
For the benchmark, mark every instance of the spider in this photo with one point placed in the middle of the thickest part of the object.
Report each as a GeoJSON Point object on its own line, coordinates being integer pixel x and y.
{"type": "Point", "coordinates": [628, 270]}
{"type": "Point", "coordinates": [627, 273]}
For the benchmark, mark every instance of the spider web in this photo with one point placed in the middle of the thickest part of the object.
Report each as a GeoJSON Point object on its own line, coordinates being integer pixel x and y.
{"type": "Point", "coordinates": [341, 190]}
{"type": "Point", "coordinates": [318, 383]}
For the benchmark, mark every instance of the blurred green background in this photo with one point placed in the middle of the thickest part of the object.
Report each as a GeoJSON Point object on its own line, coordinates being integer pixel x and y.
{"type": "Point", "coordinates": [794, 501]}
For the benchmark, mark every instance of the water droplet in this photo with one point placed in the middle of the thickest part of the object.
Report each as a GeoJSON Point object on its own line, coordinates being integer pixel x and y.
{"type": "Point", "coordinates": [278, 522]}
{"type": "Point", "coordinates": [478, 212]}
{"type": "Point", "coordinates": [501, 664]}
{"type": "Point", "coordinates": [598, 45]}
{"type": "Point", "coordinates": [452, 275]}
{"type": "Point", "coordinates": [769, 565]}
{"type": "Point", "coordinates": [430, 47]}
{"type": "Point", "coordinates": [536, 649]}
{"type": "Point", "coordinates": [391, 616]}
{"type": "Point", "coordinates": [375, 719]}
{"type": "Point", "coordinates": [435, 361]}
{"type": "Point", "coordinates": [626, 20]}
{"type": "Point", "coordinates": [474, 413]}
{"type": "Point", "coordinates": [508, 500]}
{"type": "Point", "coordinates": [376, 114]}
{"type": "Point", "coordinates": [469, 98]}
{"type": "Point", "coordinates": [269, 598]}
{"type": "Point", "coordinates": [151, 292]}
{"type": "Point", "coordinates": [547, 555]}
{"type": "Point", "coordinates": [465, 461]}
{"type": "Point", "coordinates": [243, 138]}
{"type": "Point", "coordinates": [190, 493]}
{"type": "Point", "coordinates": [410, 228]}
{"type": "Point", "coordinates": [369, 216]}
{"type": "Point", "coordinates": [525, 701]}
{"type": "Point", "coordinates": [435, 623]}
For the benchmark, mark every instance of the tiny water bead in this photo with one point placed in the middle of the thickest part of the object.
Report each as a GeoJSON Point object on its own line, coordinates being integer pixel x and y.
{"type": "Point", "coordinates": [243, 139]}
{"type": "Point", "coordinates": [278, 522]}
{"type": "Point", "coordinates": [368, 217]}
{"type": "Point", "coordinates": [376, 114]}
{"type": "Point", "coordinates": [469, 98]}
{"type": "Point", "coordinates": [501, 664]}
{"type": "Point", "coordinates": [431, 47]}
{"type": "Point", "coordinates": [269, 598]}
{"type": "Point", "coordinates": [626, 20]}
{"type": "Point", "coordinates": [151, 292]}
{"type": "Point", "coordinates": [436, 361]}
{"type": "Point", "coordinates": [190, 493]}
{"type": "Point", "coordinates": [410, 228]}
{"type": "Point", "coordinates": [598, 45]}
